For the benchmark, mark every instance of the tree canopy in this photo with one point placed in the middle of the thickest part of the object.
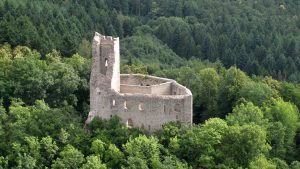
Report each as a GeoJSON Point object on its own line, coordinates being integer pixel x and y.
{"type": "Point", "coordinates": [241, 60]}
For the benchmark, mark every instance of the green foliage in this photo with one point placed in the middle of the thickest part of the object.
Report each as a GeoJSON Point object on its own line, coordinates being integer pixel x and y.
{"type": "Point", "coordinates": [276, 137]}
{"type": "Point", "coordinates": [136, 163]}
{"type": "Point", "coordinates": [135, 68]}
{"type": "Point", "coordinates": [291, 92]}
{"type": "Point", "coordinates": [258, 37]}
{"type": "Point", "coordinates": [280, 163]}
{"type": "Point", "coordinates": [135, 148]}
{"type": "Point", "coordinates": [49, 132]}
{"type": "Point", "coordinates": [93, 162]}
{"type": "Point", "coordinates": [3, 162]}
{"type": "Point", "coordinates": [242, 144]}
{"type": "Point", "coordinates": [49, 149]}
{"type": "Point", "coordinates": [246, 114]}
{"type": "Point", "coordinates": [262, 163]}
{"type": "Point", "coordinates": [234, 80]}
{"type": "Point", "coordinates": [69, 158]}
{"type": "Point", "coordinates": [172, 162]}
{"type": "Point", "coordinates": [257, 93]}
{"type": "Point", "coordinates": [288, 115]}
{"type": "Point", "coordinates": [295, 164]}
{"type": "Point", "coordinates": [175, 32]}
{"type": "Point", "coordinates": [112, 131]}
{"type": "Point", "coordinates": [26, 76]}
{"type": "Point", "coordinates": [44, 96]}
{"type": "Point", "coordinates": [209, 88]}
{"type": "Point", "coordinates": [98, 148]}
{"type": "Point", "coordinates": [84, 49]}
{"type": "Point", "coordinates": [146, 152]}
{"type": "Point", "coordinates": [114, 157]}
{"type": "Point", "coordinates": [199, 146]}
{"type": "Point", "coordinates": [148, 49]}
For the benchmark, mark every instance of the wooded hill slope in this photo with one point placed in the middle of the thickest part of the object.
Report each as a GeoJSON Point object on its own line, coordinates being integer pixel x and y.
{"type": "Point", "coordinates": [260, 37]}
{"type": "Point", "coordinates": [243, 119]}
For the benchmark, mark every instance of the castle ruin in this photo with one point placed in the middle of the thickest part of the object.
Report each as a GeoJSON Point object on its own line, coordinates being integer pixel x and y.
{"type": "Point", "coordinates": [139, 100]}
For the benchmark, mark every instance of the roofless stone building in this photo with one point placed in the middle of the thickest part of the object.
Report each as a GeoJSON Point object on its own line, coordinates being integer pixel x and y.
{"type": "Point", "coordinates": [139, 100]}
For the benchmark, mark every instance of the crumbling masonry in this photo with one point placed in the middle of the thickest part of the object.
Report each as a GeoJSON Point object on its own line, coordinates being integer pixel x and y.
{"type": "Point", "coordinates": [139, 100]}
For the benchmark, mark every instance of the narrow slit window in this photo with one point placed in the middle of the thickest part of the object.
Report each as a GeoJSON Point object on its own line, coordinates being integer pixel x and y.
{"type": "Point", "coordinates": [106, 62]}
{"type": "Point", "coordinates": [113, 102]}
{"type": "Point", "coordinates": [125, 105]}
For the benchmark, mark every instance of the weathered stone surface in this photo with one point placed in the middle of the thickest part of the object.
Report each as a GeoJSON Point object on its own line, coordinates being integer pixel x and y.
{"type": "Point", "coordinates": [139, 100]}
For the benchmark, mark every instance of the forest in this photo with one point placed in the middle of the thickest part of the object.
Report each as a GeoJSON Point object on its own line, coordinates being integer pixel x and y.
{"type": "Point", "coordinates": [241, 60]}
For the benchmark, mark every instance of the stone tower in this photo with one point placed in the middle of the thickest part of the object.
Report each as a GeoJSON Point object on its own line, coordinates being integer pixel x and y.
{"type": "Point", "coordinates": [105, 74]}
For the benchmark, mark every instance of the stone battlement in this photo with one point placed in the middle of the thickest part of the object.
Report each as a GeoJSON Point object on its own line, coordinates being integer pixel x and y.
{"type": "Point", "coordinates": [104, 38]}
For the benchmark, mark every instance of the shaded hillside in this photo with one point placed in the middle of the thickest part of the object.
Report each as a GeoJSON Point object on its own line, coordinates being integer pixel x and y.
{"type": "Point", "coordinates": [260, 37]}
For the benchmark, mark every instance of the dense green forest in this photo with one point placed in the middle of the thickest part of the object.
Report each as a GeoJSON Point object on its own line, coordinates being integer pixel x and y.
{"type": "Point", "coordinates": [259, 37]}
{"type": "Point", "coordinates": [241, 60]}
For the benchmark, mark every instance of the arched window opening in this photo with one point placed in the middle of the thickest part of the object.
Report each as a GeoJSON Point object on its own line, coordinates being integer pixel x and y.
{"type": "Point", "coordinates": [143, 127]}
{"type": "Point", "coordinates": [129, 123]}
{"type": "Point", "coordinates": [141, 106]}
{"type": "Point", "coordinates": [103, 64]}
{"type": "Point", "coordinates": [176, 117]}
{"type": "Point", "coordinates": [106, 62]}
{"type": "Point", "coordinates": [149, 127]}
{"type": "Point", "coordinates": [113, 102]}
{"type": "Point", "coordinates": [125, 105]}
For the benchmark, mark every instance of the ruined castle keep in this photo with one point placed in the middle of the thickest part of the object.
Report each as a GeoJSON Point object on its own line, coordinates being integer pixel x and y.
{"type": "Point", "coordinates": [139, 100]}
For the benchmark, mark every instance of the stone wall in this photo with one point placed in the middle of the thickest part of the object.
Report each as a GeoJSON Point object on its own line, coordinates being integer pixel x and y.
{"type": "Point", "coordinates": [135, 89]}
{"type": "Point", "coordinates": [141, 80]}
{"type": "Point", "coordinates": [148, 111]}
{"type": "Point", "coordinates": [162, 89]}
{"type": "Point", "coordinates": [135, 83]}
